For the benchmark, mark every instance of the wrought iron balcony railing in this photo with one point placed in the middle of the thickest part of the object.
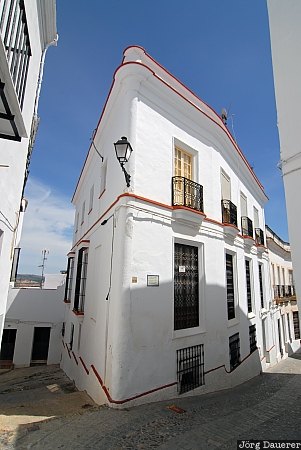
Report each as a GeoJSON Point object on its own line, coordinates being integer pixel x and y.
{"type": "Point", "coordinates": [229, 212]}
{"type": "Point", "coordinates": [187, 193]}
{"type": "Point", "coordinates": [282, 291]}
{"type": "Point", "coordinates": [259, 236]}
{"type": "Point", "coordinates": [246, 226]}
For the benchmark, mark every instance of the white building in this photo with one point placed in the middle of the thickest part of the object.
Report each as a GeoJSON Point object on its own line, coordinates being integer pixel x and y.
{"type": "Point", "coordinates": [27, 28]}
{"type": "Point", "coordinates": [168, 280]}
{"type": "Point", "coordinates": [285, 310]}
{"type": "Point", "coordinates": [34, 325]}
{"type": "Point", "coordinates": [285, 31]}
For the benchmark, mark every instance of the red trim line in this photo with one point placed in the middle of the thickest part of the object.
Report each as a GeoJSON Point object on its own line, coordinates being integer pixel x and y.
{"type": "Point", "coordinates": [74, 358]}
{"type": "Point", "coordinates": [271, 348]}
{"type": "Point", "coordinates": [63, 343]}
{"type": "Point", "coordinates": [68, 351]}
{"type": "Point", "coordinates": [120, 402]}
{"type": "Point", "coordinates": [219, 123]}
{"type": "Point", "coordinates": [90, 211]}
{"type": "Point", "coordinates": [229, 371]}
{"type": "Point", "coordinates": [84, 365]}
{"type": "Point", "coordinates": [101, 194]}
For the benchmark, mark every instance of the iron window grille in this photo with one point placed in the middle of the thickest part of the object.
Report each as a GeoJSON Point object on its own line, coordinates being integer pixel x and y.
{"type": "Point", "coordinates": [71, 336]}
{"type": "Point", "coordinates": [259, 236]}
{"type": "Point", "coordinates": [190, 368]}
{"type": "Point", "coordinates": [296, 324]}
{"type": "Point", "coordinates": [186, 287]}
{"type": "Point", "coordinates": [187, 193]}
{"type": "Point", "coordinates": [229, 212]}
{"type": "Point", "coordinates": [234, 351]}
{"type": "Point", "coordinates": [289, 327]}
{"type": "Point", "coordinates": [252, 336]}
{"type": "Point", "coordinates": [81, 278]}
{"type": "Point", "coordinates": [261, 285]}
{"type": "Point", "coordinates": [69, 280]}
{"type": "Point", "coordinates": [230, 287]}
{"type": "Point", "coordinates": [15, 37]}
{"type": "Point", "coordinates": [248, 282]}
{"type": "Point", "coordinates": [246, 227]}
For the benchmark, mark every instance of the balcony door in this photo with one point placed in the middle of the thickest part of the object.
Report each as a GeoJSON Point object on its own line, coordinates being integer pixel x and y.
{"type": "Point", "coordinates": [226, 186]}
{"type": "Point", "coordinates": [183, 169]}
{"type": "Point", "coordinates": [243, 205]}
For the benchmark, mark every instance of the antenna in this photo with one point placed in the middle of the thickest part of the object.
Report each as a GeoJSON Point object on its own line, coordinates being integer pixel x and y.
{"type": "Point", "coordinates": [224, 116]}
{"type": "Point", "coordinates": [44, 253]}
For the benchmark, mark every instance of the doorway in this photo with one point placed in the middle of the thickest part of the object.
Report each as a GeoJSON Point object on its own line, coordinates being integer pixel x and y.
{"type": "Point", "coordinates": [8, 345]}
{"type": "Point", "coordinates": [40, 345]}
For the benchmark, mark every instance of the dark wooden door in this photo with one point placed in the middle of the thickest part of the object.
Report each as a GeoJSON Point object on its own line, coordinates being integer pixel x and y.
{"type": "Point", "coordinates": [8, 345]}
{"type": "Point", "coordinates": [40, 345]}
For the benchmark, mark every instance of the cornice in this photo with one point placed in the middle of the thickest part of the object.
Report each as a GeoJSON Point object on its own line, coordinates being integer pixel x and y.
{"type": "Point", "coordinates": [47, 21]}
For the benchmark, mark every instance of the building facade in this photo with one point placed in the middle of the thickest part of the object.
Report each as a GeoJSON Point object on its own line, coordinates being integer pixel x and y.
{"type": "Point", "coordinates": [27, 28]}
{"type": "Point", "coordinates": [33, 325]}
{"type": "Point", "coordinates": [168, 288]}
{"type": "Point", "coordinates": [285, 314]}
{"type": "Point", "coordinates": [285, 33]}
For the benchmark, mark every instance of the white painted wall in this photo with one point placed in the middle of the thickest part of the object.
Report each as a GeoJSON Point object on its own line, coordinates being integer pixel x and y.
{"type": "Point", "coordinates": [28, 308]}
{"type": "Point", "coordinates": [284, 20]}
{"type": "Point", "coordinates": [128, 336]}
{"type": "Point", "coordinates": [13, 154]}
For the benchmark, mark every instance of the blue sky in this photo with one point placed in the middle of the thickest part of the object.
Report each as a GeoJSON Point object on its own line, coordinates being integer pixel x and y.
{"type": "Point", "coordinates": [220, 50]}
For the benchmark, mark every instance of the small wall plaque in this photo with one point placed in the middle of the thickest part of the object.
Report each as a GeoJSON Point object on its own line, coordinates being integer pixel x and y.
{"type": "Point", "coordinates": [134, 279]}
{"type": "Point", "coordinates": [182, 269]}
{"type": "Point", "coordinates": [153, 280]}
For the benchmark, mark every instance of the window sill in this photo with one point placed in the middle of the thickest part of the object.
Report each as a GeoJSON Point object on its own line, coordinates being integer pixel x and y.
{"type": "Point", "coordinates": [185, 332]}
{"type": "Point", "coordinates": [251, 315]}
{"type": "Point", "coordinates": [78, 313]}
{"type": "Point", "coordinates": [67, 302]}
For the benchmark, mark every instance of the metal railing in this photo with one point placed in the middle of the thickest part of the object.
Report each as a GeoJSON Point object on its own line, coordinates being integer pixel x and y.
{"type": "Point", "coordinates": [187, 193]}
{"type": "Point", "coordinates": [246, 226]}
{"type": "Point", "coordinates": [229, 212]}
{"type": "Point", "coordinates": [259, 236]}
{"type": "Point", "coordinates": [15, 37]}
{"type": "Point", "coordinates": [282, 291]}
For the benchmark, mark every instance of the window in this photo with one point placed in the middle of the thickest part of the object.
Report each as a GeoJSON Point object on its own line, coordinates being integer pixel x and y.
{"type": "Point", "coordinates": [83, 212]}
{"type": "Point", "coordinates": [103, 178]}
{"type": "Point", "coordinates": [230, 286]}
{"type": "Point", "coordinates": [183, 164]}
{"type": "Point", "coordinates": [252, 337]}
{"type": "Point", "coordinates": [71, 336]}
{"type": "Point", "coordinates": [186, 287]}
{"type": "Point", "coordinates": [91, 198]}
{"type": "Point", "coordinates": [69, 280]}
{"type": "Point", "coordinates": [76, 222]}
{"type": "Point", "coordinates": [260, 274]}
{"type": "Point", "coordinates": [256, 217]}
{"type": "Point", "coordinates": [248, 284]}
{"type": "Point", "coordinates": [225, 186]}
{"type": "Point", "coordinates": [81, 278]}
{"type": "Point", "coordinates": [234, 351]}
{"type": "Point", "coordinates": [289, 327]}
{"type": "Point", "coordinates": [14, 33]}
{"type": "Point", "coordinates": [243, 205]}
{"type": "Point", "coordinates": [296, 324]}
{"type": "Point", "coordinates": [14, 269]}
{"type": "Point", "coordinates": [190, 368]}
{"type": "Point", "coordinates": [79, 336]}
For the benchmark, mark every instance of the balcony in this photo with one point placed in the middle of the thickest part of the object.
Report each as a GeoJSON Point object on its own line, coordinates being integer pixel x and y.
{"type": "Point", "coordinates": [15, 54]}
{"type": "Point", "coordinates": [284, 293]}
{"type": "Point", "coordinates": [187, 200]}
{"type": "Point", "coordinates": [247, 231]}
{"type": "Point", "coordinates": [259, 236]}
{"type": "Point", "coordinates": [229, 218]}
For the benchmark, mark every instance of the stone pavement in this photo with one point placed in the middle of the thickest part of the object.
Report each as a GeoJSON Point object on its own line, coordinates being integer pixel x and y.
{"type": "Point", "coordinates": [267, 407]}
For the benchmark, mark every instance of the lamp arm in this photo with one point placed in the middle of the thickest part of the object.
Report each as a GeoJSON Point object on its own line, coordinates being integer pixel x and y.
{"type": "Point", "coordinates": [126, 175]}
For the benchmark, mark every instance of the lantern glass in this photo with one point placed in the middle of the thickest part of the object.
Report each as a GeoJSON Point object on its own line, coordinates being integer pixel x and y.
{"type": "Point", "coordinates": [123, 150]}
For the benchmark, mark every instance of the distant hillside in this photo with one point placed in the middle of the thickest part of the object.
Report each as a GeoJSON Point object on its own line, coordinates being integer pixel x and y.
{"type": "Point", "coordinates": [29, 277]}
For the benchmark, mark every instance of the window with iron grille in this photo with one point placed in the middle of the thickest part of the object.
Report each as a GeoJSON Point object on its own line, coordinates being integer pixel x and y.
{"type": "Point", "coordinates": [69, 280]}
{"type": "Point", "coordinates": [186, 287]}
{"type": "Point", "coordinates": [289, 327]}
{"type": "Point", "coordinates": [296, 324]}
{"type": "Point", "coordinates": [81, 278]}
{"type": "Point", "coordinates": [248, 284]}
{"type": "Point", "coordinates": [252, 336]}
{"type": "Point", "coordinates": [71, 336]}
{"type": "Point", "coordinates": [261, 285]}
{"type": "Point", "coordinates": [15, 37]}
{"type": "Point", "coordinates": [230, 286]}
{"type": "Point", "coordinates": [234, 351]}
{"type": "Point", "coordinates": [190, 368]}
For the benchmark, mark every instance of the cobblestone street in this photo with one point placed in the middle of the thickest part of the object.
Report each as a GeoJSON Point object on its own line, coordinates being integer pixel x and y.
{"type": "Point", "coordinates": [267, 407]}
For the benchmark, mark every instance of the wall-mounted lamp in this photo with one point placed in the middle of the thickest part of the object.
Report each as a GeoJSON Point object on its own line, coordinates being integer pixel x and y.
{"type": "Point", "coordinates": [123, 151]}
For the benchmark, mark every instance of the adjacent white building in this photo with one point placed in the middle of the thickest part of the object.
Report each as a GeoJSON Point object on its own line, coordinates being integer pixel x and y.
{"type": "Point", "coordinates": [284, 310]}
{"type": "Point", "coordinates": [285, 31]}
{"type": "Point", "coordinates": [33, 325]}
{"type": "Point", "coordinates": [168, 288]}
{"type": "Point", "coordinates": [27, 28]}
